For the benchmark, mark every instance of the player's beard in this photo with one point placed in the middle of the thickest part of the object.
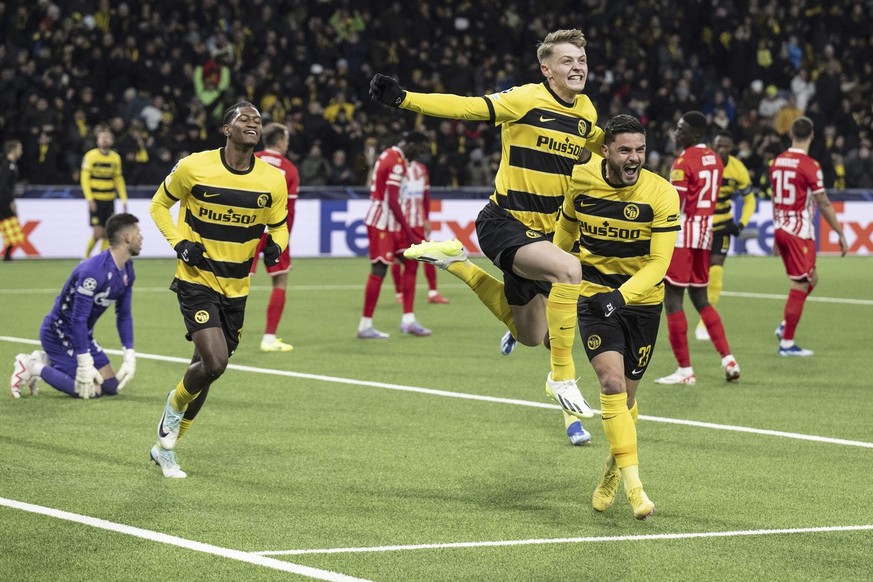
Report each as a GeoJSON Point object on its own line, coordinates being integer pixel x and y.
{"type": "Point", "coordinates": [617, 174]}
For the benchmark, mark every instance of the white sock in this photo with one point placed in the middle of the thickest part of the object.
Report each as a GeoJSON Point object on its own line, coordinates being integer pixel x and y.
{"type": "Point", "coordinates": [269, 338]}
{"type": "Point", "coordinates": [366, 323]}
{"type": "Point", "coordinates": [686, 371]}
{"type": "Point", "coordinates": [785, 344]}
{"type": "Point", "coordinates": [433, 293]}
{"type": "Point", "coordinates": [408, 318]}
{"type": "Point", "coordinates": [727, 359]}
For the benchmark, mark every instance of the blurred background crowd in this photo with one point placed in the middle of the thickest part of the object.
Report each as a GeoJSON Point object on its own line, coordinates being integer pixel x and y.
{"type": "Point", "coordinates": [159, 74]}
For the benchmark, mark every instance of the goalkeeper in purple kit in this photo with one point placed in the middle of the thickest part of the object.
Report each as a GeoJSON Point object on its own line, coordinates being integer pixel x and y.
{"type": "Point", "coordinates": [73, 362]}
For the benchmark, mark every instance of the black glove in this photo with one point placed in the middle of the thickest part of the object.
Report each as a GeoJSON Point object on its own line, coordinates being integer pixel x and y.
{"type": "Point", "coordinates": [190, 253]}
{"type": "Point", "coordinates": [603, 305]}
{"type": "Point", "coordinates": [272, 252]}
{"type": "Point", "coordinates": [386, 90]}
{"type": "Point", "coordinates": [733, 229]}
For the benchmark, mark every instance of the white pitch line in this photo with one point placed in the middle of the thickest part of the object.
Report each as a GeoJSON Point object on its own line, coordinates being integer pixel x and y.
{"type": "Point", "coordinates": [810, 298]}
{"type": "Point", "coordinates": [154, 536]}
{"type": "Point", "coordinates": [484, 398]}
{"type": "Point", "coordinates": [533, 542]}
{"type": "Point", "coordinates": [291, 288]}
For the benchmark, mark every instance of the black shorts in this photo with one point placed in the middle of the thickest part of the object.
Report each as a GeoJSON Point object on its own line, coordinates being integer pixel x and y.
{"type": "Point", "coordinates": [500, 236]}
{"type": "Point", "coordinates": [721, 242]}
{"type": "Point", "coordinates": [203, 308]}
{"type": "Point", "coordinates": [631, 331]}
{"type": "Point", "coordinates": [105, 209]}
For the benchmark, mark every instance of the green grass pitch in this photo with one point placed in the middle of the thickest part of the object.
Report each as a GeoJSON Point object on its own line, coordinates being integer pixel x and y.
{"type": "Point", "coordinates": [419, 459]}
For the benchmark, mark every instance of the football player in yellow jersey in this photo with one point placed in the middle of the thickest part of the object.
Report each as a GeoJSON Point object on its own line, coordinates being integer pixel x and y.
{"type": "Point", "coordinates": [101, 180]}
{"type": "Point", "coordinates": [544, 126]}
{"type": "Point", "coordinates": [735, 181]}
{"type": "Point", "coordinates": [625, 219]}
{"type": "Point", "coordinates": [227, 196]}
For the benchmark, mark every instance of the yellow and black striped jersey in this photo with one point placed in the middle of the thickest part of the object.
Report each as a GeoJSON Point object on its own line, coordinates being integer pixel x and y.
{"type": "Point", "coordinates": [735, 180]}
{"type": "Point", "coordinates": [225, 210]}
{"type": "Point", "coordinates": [542, 136]}
{"type": "Point", "coordinates": [626, 234]}
{"type": "Point", "coordinates": [101, 177]}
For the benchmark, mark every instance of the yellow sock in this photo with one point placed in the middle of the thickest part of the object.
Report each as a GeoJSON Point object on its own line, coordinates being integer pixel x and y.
{"type": "Point", "coordinates": [635, 412]}
{"type": "Point", "coordinates": [186, 424]}
{"type": "Point", "coordinates": [561, 315]}
{"type": "Point", "coordinates": [488, 289]}
{"type": "Point", "coordinates": [181, 397]}
{"type": "Point", "coordinates": [716, 281]}
{"type": "Point", "coordinates": [90, 247]}
{"type": "Point", "coordinates": [620, 430]}
{"type": "Point", "coordinates": [631, 477]}
{"type": "Point", "coordinates": [569, 419]}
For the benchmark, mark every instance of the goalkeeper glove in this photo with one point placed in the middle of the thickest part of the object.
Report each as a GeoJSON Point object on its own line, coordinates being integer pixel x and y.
{"type": "Point", "coordinates": [603, 305]}
{"type": "Point", "coordinates": [386, 90]}
{"type": "Point", "coordinates": [127, 369]}
{"type": "Point", "coordinates": [88, 379]}
{"type": "Point", "coordinates": [272, 252]}
{"type": "Point", "coordinates": [190, 253]}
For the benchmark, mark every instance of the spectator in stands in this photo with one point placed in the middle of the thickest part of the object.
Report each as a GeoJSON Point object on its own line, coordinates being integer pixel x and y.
{"type": "Point", "coordinates": [341, 173]}
{"type": "Point", "coordinates": [113, 59]}
{"type": "Point", "coordinates": [786, 116]}
{"type": "Point", "coordinates": [210, 82]}
{"type": "Point", "coordinates": [771, 103]}
{"type": "Point", "coordinates": [314, 169]}
{"type": "Point", "coordinates": [859, 166]}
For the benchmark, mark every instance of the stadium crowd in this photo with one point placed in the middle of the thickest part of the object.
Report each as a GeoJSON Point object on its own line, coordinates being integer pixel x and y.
{"type": "Point", "coordinates": [160, 74]}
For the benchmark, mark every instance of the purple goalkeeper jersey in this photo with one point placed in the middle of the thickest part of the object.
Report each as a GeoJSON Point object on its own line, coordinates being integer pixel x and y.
{"type": "Point", "coordinates": [94, 285]}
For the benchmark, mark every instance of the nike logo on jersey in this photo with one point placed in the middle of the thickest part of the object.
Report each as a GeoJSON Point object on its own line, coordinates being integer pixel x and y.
{"type": "Point", "coordinates": [208, 195]}
{"type": "Point", "coordinates": [637, 371]}
{"type": "Point", "coordinates": [544, 119]}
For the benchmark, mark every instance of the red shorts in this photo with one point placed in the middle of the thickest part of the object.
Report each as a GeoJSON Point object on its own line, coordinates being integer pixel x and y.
{"type": "Point", "coordinates": [384, 245]}
{"type": "Point", "coordinates": [283, 266]}
{"type": "Point", "coordinates": [689, 268]}
{"type": "Point", "coordinates": [798, 254]}
{"type": "Point", "coordinates": [403, 241]}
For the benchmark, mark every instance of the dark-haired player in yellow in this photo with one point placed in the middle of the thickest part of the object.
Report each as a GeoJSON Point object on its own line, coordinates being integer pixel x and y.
{"type": "Point", "coordinates": [227, 197]}
{"type": "Point", "coordinates": [544, 127]}
{"type": "Point", "coordinates": [625, 219]}
{"type": "Point", "coordinates": [101, 180]}
{"type": "Point", "coordinates": [734, 182]}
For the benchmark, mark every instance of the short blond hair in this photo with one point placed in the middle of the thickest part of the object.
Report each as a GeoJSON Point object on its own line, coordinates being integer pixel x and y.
{"type": "Point", "coordinates": [572, 36]}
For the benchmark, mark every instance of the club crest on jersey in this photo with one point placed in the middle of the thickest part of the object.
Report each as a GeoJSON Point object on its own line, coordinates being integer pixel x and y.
{"type": "Point", "coordinates": [533, 234]}
{"type": "Point", "coordinates": [201, 316]}
{"type": "Point", "coordinates": [594, 341]}
{"type": "Point", "coordinates": [263, 200]}
{"type": "Point", "coordinates": [631, 211]}
{"type": "Point", "coordinates": [584, 128]}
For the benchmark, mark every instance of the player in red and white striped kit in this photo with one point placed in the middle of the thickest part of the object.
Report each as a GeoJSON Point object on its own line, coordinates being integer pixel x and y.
{"type": "Point", "coordinates": [385, 223]}
{"type": "Point", "coordinates": [415, 202]}
{"type": "Point", "coordinates": [696, 174]}
{"type": "Point", "coordinates": [276, 139]}
{"type": "Point", "coordinates": [797, 183]}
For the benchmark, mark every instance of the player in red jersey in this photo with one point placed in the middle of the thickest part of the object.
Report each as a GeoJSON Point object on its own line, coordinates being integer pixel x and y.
{"type": "Point", "coordinates": [415, 202]}
{"type": "Point", "coordinates": [276, 139]}
{"type": "Point", "coordinates": [696, 174]}
{"type": "Point", "coordinates": [385, 224]}
{"type": "Point", "coordinates": [797, 181]}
